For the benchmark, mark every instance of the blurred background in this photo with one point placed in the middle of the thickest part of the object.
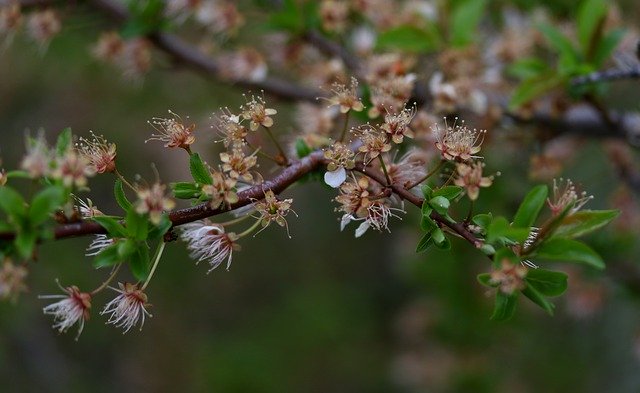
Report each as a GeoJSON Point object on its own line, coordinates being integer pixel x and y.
{"type": "Point", "coordinates": [321, 312]}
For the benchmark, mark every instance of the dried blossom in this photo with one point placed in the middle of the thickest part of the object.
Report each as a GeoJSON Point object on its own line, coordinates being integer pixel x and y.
{"type": "Point", "coordinates": [110, 47]}
{"type": "Point", "coordinates": [509, 277]}
{"type": "Point", "coordinates": [152, 200]}
{"type": "Point", "coordinates": [458, 142]}
{"type": "Point", "coordinates": [37, 161]}
{"type": "Point", "coordinates": [238, 165]}
{"type": "Point", "coordinates": [471, 179]}
{"type": "Point", "coordinates": [87, 209]}
{"type": "Point", "coordinates": [378, 214]}
{"type": "Point", "coordinates": [172, 132]}
{"type": "Point", "coordinates": [73, 168]}
{"type": "Point", "coordinates": [363, 40]}
{"type": "Point", "coordinates": [346, 97]}
{"type": "Point", "coordinates": [243, 64]}
{"type": "Point", "coordinates": [12, 280]}
{"type": "Point", "coordinates": [75, 307]}
{"type": "Point", "coordinates": [100, 153]}
{"type": "Point", "coordinates": [221, 191]}
{"type": "Point", "coordinates": [374, 141]}
{"type": "Point", "coordinates": [390, 92]}
{"type": "Point", "coordinates": [220, 16]}
{"type": "Point", "coordinates": [397, 124]}
{"type": "Point", "coordinates": [410, 169]}
{"type": "Point", "coordinates": [334, 15]}
{"type": "Point", "coordinates": [135, 60]}
{"type": "Point", "coordinates": [354, 198]}
{"type": "Point", "coordinates": [128, 308]}
{"type": "Point", "coordinates": [43, 26]}
{"type": "Point", "coordinates": [230, 128]}
{"type": "Point", "coordinates": [271, 209]}
{"type": "Point", "coordinates": [565, 194]}
{"type": "Point", "coordinates": [315, 120]}
{"type": "Point", "coordinates": [209, 242]}
{"type": "Point", "coordinates": [10, 20]}
{"type": "Point", "coordinates": [256, 111]}
{"type": "Point", "coordinates": [340, 158]}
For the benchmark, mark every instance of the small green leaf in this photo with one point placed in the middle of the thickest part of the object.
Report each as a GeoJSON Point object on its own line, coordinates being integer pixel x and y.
{"type": "Point", "coordinates": [449, 192]}
{"type": "Point", "coordinates": [569, 250]}
{"type": "Point", "coordinates": [559, 41]}
{"type": "Point", "coordinates": [426, 192]}
{"type": "Point", "coordinates": [538, 299]}
{"type": "Point", "coordinates": [440, 204]}
{"type": "Point", "coordinates": [199, 170]}
{"type": "Point", "coordinates": [25, 241]}
{"type": "Point", "coordinates": [606, 46]}
{"type": "Point", "coordinates": [427, 224]}
{"type": "Point", "coordinates": [528, 68]}
{"type": "Point", "coordinates": [126, 248]}
{"type": "Point", "coordinates": [533, 88]}
{"type": "Point", "coordinates": [121, 197]}
{"type": "Point", "coordinates": [107, 257]}
{"type": "Point", "coordinates": [531, 206]}
{"type": "Point", "coordinates": [302, 149]}
{"type": "Point", "coordinates": [137, 227]}
{"type": "Point", "coordinates": [440, 240]}
{"type": "Point", "coordinates": [483, 220]}
{"type": "Point", "coordinates": [547, 282]}
{"type": "Point", "coordinates": [505, 253]}
{"type": "Point", "coordinates": [64, 142]}
{"type": "Point", "coordinates": [112, 225]}
{"type": "Point", "coordinates": [485, 279]}
{"type": "Point", "coordinates": [501, 230]}
{"type": "Point", "coordinates": [488, 249]}
{"type": "Point", "coordinates": [159, 230]}
{"type": "Point", "coordinates": [18, 174]}
{"type": "Point", "coordinates": [464, 22]}
{"type": "Point", "coordinates": [584, 222]}
{"type": "Point", "coordinates": [424, 243]}
{"type": "Point", "coordinates": [45, 203]}
{"type": "Point", "coordinates": [590, 15]}
{"type": "Point", "coordinates": [186, 190]}
{"type": "Point", "coordinates": [408, 38]}
{"type": "Point", "coordinates": [12, 202]}
{"type": "Point", "coordinates": [505, 306]}
{"type": "Point", "coordinates": [139, 262]}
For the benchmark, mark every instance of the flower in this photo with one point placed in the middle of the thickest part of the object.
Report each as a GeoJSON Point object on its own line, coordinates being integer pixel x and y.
{"type": "Point", "coordinates": [346, 97]}
{"type": "Point", "coordinates": [410, 169]}
{"type": "Point", "coordinates": [230, 127]}
{"type": "Point", "coordinates": [354, 197]}
{"type": "Point", "coordinates": [238, 165]}
{"type": "Point", "coordinates": [73, 168]}
{"type": "Point", "coordinates": [565, 194]}
{"type": "Point", "coordinates": [273, 210]}
{"type": "Point", "coordinates": [470, 177]}
{"type": "Point", "coordinates": [37, 161]}
{"type": "Point", "coordinates": [256, 111]}
{"type": "Point", "coordinates": [109, 47]}
{"type": "Point", "coordinates": [334, 15]}
{"type": "Point", "coordinates": [128, 307]}
{"type": "Point", "coordinates": [12, 280]}
{"type": "Point", "coordinates": [74, 307]}
{"type": "Point", "coordinates": [10, 19]}
{"type": "Point", "coordinates": [509, 277]}
{"type": "Point", "coordinates": [397, 124]}
{"type": "Point", "coordinates": [43, 25]}
{"type": "Point", "coordinates": [221, 191]}
{"type": "Point", "coordinates": [340, 157]}
{"type": "Point", "coordinates": [458, 142]}
{"type": "Point", "coordinates": [98, 244]}
{"type": "Point", "coordinates": [243, 64]}
{"type": "Point", "coordinates": [100, 153]}
{"type": "Point", "coordinates": [374, 142]}
{"type": "Point", "coordinates": [172, 131]}
{"type": "Point", "coordinates": [209, 242]}
{"type": "Point", "coordinates": [87, 209]}
{"type": "Point", "coordinates": [152, 200]}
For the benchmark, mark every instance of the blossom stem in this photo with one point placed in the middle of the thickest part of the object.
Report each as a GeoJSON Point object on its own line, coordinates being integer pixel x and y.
{"type": "Point", "coordinates": [156, 259]}
{"type": "Point", "coordinates": [261, 153]}
{"type": "Point", "coordinates": [119, 175]}
{"type": "Point", "coordinates": [384, 170]}
{"type": "Point", "coordinates": [250, 229]}
{"type": "Point", "coordinates": [108, 280]}
{"type": "Point", "coordinates": [468, 219]}
{"type": "Point", "coordinates": [234, 221]}
{"type": "Point", "coordinates": [345, 126]}
{"type": "Point", "coordinates": [427, 176]}
{"type": "Point", "coordinates": [275, 142]}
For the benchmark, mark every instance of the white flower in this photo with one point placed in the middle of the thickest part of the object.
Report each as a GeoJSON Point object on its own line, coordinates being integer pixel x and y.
{"type": "Point", "coordinates": [73, 308]}
{"type": "Point", "coordinates": [128, 307]}
{"type": "Point", "coordinates": [335, 178]}
{"type": "Point", "coordinates": [209, 242]}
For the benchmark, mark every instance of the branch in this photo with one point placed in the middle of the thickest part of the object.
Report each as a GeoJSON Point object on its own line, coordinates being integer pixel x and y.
{"type": "Point", "coordinates": [607, 76]}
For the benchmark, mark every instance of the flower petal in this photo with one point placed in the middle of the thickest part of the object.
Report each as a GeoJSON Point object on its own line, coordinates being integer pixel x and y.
{"type": "Point", "coordinates": [335, 178]}
{"type": "Point", "coordinates": [362, 228]}
{"type": "Point", "coordinates": [346, 219]}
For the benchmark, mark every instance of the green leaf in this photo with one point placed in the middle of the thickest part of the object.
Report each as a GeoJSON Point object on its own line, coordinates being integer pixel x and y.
{"type": "Point", "coordinates": [531, 206]}
{"type": "Point", "coordinates": [533, 88]}
{"type": "Point", "coordinates": [64, 142]}
{"type": "Point", "coordinates": [426, 192]}
{"type": "Point", "coordinates": [409, 39]}
{"type": "Point", "coordinates": [590, 15]}
{"type": "Point", "coordinates": [584, 222]}
{"type": "Point", "coordinates": [18, 174]}
{"type": "Point", "coordinates": [485, 279]}
{"type": "Point", "coordinates": [427, 224]}
{"type": "Point", "coordinates": [199, 170]}
{"type": "Point", "coordinates": [159, 230]}
{"type": "Point", "coordinates": [126, 248]}
{"type": "Point", "coordinates": [25, 241]}
{"type": "Point", "coordinates": [483, 220]}
{"type": "Point", "coordinates": [12, 202]}
{"type": "Point", "coordinates": [547, 282]}
{"type": "Point", "coordinates": [569, 250]}
{"type": "Point", "coordinates": [464, 22]}
{"type": "Point", "coordinates": [440, 240]}
{"type": "Point", "coordinates": [424, 242]}
{"type": "Point", "coordinates": [146, 17]}
{"type": "Point", "coordinates": [121, 197]}
{"type": "Point", "coordinates": [440, 204]}
{"type": "Point", "coordinates": [302, 149]}
{"type": "Point", "coordinates": [45, 203]}
{"type": "Point", "coordinates": [186, 190]}
{"type": "Point", "coordinates": [449, 192]}
{"type": "Point", "coordinates": [538, 299]}
{"type": "Point", "coordinates": [606, 46]}
{"type": "Point", "coordinates": [107, 257]}
{"type": "Point", "coordinates": [559, 41]}
{"type": "Point", "coordinates": [500, 229]}
{"type": "Point", "coordinates": [289, 17]}
{"type": "Point", "coordinates": [112, 225]}
{"type": "Point", "coordinates": [505, 253]}
{"type": "Point", "coordinates": [505, 306]}
{"type": "Point", "coordinates": [139, 262]}
{"type": "Point", "coordinates": [527, 68]}
{"type": "Point", "coordinates": [137, 227]}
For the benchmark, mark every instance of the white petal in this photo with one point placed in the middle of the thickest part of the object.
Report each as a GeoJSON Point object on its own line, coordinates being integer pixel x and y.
{"type": "Point", "coordinates": [346, 219]}
{"type": "Point", "coordinates": [362, 228]}
{"type": "Point", "coordinates": [335, 178]}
